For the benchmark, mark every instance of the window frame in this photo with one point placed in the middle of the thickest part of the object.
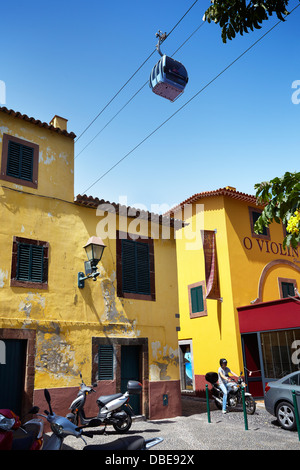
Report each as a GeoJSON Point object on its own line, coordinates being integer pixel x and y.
{"type": "Point", "coordinates": [120, 290]}
{"type": "Point", "coordinates": [4, 162]}
{"type": "Point", "coordinates": [203, 312]}
{"type": "Point", "coordinates": [14, 281]}
{"type": "Point", "coordinates": [257, 235]}
{"type": "Point", "coordinates": [282, 280]}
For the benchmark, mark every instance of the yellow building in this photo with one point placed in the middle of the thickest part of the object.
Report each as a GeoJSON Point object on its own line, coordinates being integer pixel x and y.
{"type": "Point", "coordinates": [237, 296]}
{"type": "Point", "coordinates": [52, 328]}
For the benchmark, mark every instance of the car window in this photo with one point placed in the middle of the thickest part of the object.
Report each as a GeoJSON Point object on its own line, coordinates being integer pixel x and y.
{"type": "Point", "coordinates": [295, 379]}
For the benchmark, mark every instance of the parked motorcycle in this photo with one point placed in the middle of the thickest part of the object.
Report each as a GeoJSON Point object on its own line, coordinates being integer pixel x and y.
{"type": "Point", "coordinates": [63, 427]}
{"type": "Point", "coordinates": [114, 409]}
{"type": "Point", "coordinates": [17, 436]}
{"type": "Point", "coordinates": [234, 396]}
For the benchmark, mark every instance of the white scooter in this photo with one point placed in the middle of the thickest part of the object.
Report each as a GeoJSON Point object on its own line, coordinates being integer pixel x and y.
{"type": "Point", "coordinates": [114, 409]}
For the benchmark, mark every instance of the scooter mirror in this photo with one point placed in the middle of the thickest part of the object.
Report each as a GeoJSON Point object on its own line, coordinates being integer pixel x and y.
{"type": "Point", "coordinates": [47, 396]}
{"type": "Point", "coordinates": [48, 399]}
{"type": "Point", "coordinates": [95, 385]}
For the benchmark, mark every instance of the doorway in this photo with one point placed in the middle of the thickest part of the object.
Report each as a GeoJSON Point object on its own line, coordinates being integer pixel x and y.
{"type": "Point", "coordinates": [130, 370]}
{"type": "Point", "coordinates": [12, 374]}
{"type": "Point", "coordinates": [186, 363]}
{"type": "Point", "coordinates": [253, 372]}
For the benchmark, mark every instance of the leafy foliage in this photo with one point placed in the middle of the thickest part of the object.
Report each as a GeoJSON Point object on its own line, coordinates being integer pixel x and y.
{"type": "Point", "coordinates": [238, 16]}
{"type": "Point", "coordinates": [281, 197]}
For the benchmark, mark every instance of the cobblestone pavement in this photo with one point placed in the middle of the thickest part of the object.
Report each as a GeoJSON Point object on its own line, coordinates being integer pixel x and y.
{"type": "Point", "coordinates": [191, 431]}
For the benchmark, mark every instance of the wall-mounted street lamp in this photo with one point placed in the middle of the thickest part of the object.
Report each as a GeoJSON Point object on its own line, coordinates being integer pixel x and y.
{"type": "Point", "coordinates": [94, 251]}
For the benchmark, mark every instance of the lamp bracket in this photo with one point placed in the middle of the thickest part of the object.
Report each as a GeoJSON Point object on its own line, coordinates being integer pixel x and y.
{"type": "Point", "coordinates": [81, 278]}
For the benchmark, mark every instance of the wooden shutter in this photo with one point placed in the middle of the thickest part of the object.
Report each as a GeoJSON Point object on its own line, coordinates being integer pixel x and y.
{"type": "Point", "coordinates": [19, 161]}
{"type": "Point", "coordinates": [105, 362]}
{"type": "Point", "coordinates": [23, 262]}
{"type": "Point", "coordinates": [37, 257]}
{"type": "Point", "coordinates": [128, 266]}
{"type": "Point", "coordinates": [30, 263]}
{"type": "Point", "coordinates": [135, 267]}
{"type": "Point", "coordinates": [197, 299]}
{"type": "Point", "coordinates": [143, 268]}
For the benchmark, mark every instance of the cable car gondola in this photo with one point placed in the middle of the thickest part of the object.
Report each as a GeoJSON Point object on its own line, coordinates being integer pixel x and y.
{"type": "Point", "coordinates": [168, 77]}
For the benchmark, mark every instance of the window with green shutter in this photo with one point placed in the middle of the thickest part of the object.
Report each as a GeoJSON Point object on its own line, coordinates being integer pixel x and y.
{"type": "Point", "coordinates": [287, 287]}
{"type": "Point", "coordinates": [19, 163]}
{"type": "Point", "coordinates": [197, 299]}
{"type": "Point", "coordinates": [30, 263]}
{"type": "Point", "coordinates": [135, 267]}
{"type": "Point", "coordinates": [105, 362]}
{"type": "Point", "coordinates": [29, 267]}
{"type": "Point", "coordinates": [254, 214]}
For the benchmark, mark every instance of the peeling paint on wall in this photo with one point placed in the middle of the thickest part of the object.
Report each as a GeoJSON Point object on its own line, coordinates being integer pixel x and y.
{"type": "Point", "coordinates": [3, 276]}
{"type": "Point", "coordinates": [155, 345]}
{"type": "Point", "coordinates": [64, 156]}
{"type": "Point", "coordinates": [164, 356]}
{"type": "Point", "coordinates": [49, 160]}
{"type": "Point", "coordinates": [54, 354]}
{"type": "Point", "coordinates": [3, 130]}
{"type": "Point", "coordinates": [33, 304]}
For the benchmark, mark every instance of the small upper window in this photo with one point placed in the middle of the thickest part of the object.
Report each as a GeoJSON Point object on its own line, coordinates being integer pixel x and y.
{"type": "Point", "coordinates": [197, 300]}
{"type": "Point", "coordinates": [254, 214]}
{"type": "Point", "coordinates": [286, 287]}
{"type": "Point", "coordinates": [19, 161]}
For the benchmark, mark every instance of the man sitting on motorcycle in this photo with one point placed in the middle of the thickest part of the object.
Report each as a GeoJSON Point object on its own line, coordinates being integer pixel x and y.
{"type": "Point", "coordinates": [224, 380]}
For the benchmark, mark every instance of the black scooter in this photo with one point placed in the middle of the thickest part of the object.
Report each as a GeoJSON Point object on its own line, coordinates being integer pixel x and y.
{"type": "Point", "coordinates": [234, 396]}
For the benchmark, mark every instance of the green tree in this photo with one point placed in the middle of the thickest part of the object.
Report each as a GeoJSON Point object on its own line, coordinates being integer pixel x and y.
{"type": "Point", "coordinates": [281, 198]}
{"type": "Point", "coordinates": [238, 16]}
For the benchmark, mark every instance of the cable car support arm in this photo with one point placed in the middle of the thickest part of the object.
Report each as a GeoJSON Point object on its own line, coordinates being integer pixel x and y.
{"type": "Point", "coordinates": [161, 37]}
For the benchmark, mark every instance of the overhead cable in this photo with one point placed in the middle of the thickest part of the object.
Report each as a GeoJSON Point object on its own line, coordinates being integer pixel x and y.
{"type": "Point", "coordinates": [126, 83]}
{"type": "Point", "coordinates": [189, 101]}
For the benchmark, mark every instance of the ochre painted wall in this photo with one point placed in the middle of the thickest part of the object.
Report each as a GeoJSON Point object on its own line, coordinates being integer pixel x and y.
{"type": "Point", "coordinates": [248, 267]}
{"type": "Point", "coordinates": [64, 317]}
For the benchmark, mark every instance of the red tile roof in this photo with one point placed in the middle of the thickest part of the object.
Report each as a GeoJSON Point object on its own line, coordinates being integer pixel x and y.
{"type": "Point", "coordinates": [227, 191]}
{"type": "Point", "coordinates": [93, 203]}
{"type": "Point", "coordinates": [17, 114]}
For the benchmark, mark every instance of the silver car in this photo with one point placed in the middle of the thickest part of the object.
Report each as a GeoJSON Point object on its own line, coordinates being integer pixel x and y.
{"type": "Point", "coordinates": [279, 399]}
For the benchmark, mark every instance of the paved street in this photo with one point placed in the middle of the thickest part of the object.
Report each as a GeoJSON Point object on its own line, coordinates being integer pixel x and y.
{"type": "Point", "coordinates": [191, 431]}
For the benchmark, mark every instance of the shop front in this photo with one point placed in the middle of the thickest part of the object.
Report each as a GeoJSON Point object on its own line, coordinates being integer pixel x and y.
{"type": "Point", "coordinates": [270, 334]}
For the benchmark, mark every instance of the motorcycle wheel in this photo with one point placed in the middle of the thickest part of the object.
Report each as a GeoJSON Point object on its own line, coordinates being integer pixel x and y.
{"type": "Point", "coordinates": [250, 405]}
{"type": "Point", "coordinates": [123, 426]}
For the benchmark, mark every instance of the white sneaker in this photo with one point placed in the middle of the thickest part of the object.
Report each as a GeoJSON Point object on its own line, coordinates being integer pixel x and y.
{"type": "Point", "coordinates": [224, 412]}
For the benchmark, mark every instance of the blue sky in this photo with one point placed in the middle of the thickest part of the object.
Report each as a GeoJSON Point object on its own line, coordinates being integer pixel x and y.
{"type": "Point", "coordinates": [71, 58]}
